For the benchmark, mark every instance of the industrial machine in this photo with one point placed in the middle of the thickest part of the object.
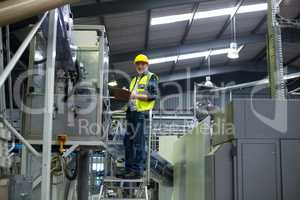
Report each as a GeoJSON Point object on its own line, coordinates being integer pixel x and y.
{"type": "Point", "coordinates": [85, 147]}
{"type": "Point", "coordinates": [66, 143]}
{"type": "Point", "coordinates": [263, 146]}
{"type": "Point", "coordinates": [247, 151]}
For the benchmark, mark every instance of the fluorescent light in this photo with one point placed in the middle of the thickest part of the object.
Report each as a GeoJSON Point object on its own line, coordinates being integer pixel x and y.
{"type": "Point", "coordinates": [171, 19]}
{"type": "Point", "coordinates": [214, 13]}
{"type": "Point", "coordinates": [192, 55]}
{"type": "Point", "coordinates": [209, 14]}
{"type": "Point", "coordinates": [162, 60]}
{"type": "Point", "coordinates": [113, 83]}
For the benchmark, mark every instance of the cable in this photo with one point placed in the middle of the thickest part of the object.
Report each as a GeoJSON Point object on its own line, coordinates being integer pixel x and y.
{"type": "Point", "coordinates": [60, 167]}
{"type": "Point", "coordinates": [68, 172]}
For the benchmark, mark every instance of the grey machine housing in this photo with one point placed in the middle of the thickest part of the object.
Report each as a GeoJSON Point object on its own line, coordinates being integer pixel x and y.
{"type": "Point", "coordinates": [259, 161]}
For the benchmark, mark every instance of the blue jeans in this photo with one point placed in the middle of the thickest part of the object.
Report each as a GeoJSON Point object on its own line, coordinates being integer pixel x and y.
{"type": "Point", "coordinates": [135, 142]}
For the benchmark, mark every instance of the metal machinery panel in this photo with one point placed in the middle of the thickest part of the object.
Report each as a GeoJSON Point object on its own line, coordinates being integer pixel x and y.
{"type": "Point", "coordinates": [219, 173]}
{"type": "Point", "coordinates": [250, 114]}
{"type": "Point", "coordinates": [64, 120]}
{"type": "Point", "coordinates": [81, 116]}
{"type": "Point", "coordinates": [290, 152]}
{"type": "Point", "coordinates": [258, 170]}
{"type": "Point", "coordinates": [263, 169]}
{"type": "Point", "coordinates": [189, 163]}
{"type": "Point", "coordinates": [16, 188]}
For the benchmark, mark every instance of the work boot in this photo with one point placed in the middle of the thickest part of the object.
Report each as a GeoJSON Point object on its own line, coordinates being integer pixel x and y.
{"type": "Point", "coordinates": [133, 175]}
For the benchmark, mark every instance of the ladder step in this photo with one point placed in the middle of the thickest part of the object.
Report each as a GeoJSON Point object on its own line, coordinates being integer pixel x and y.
{"type": "Point", "coordinates": [123, 199]}
{"type": "Point", "coordinates": [122, 187]}
{"type": "Point", "coordinates": [119, 180]}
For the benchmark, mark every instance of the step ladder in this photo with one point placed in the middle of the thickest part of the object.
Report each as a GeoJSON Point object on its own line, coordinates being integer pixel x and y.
{"type": "Point", "coordinates": [136, 189]}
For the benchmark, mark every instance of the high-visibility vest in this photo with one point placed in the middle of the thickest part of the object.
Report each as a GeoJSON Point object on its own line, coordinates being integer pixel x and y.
{"type": "Point", "coordinates": [142, 84]}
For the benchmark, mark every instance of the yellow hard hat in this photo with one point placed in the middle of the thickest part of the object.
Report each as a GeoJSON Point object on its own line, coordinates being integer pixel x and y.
{"type": "Point", "coordinates": [141, 58]}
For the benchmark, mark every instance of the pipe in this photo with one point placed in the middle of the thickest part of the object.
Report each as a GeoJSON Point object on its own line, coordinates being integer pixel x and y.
{"type": "Point", "coordinates": [83, 175]}
{"type": "Point", "coordinates": [48, 105]}
{"type": "Point", "coordinates": [10, 66]}
{"type": "Point", "coordinates": [12, 11]}
{"type": "Point", "coordinates": [21, 138]}
{"type": "Point", "coordinates": [254, 83]}
{"type": "Point", "coordinates": [149, 148]}
{"type": "Point", "coordinates": [13, 145]}
{"type": "Point", "coordinates": [2, 90]}
{"type": "Point", "coordinates": [8, 56]}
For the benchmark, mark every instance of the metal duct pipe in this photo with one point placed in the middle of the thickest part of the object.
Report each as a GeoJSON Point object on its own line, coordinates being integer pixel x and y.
{"type": "Point", "coordinates": [12, 11]}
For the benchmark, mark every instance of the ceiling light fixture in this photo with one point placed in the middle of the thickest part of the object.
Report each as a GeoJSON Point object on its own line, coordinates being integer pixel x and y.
{"type": "Point", "coordinates": [209, 14]}
{"type": "Point", "coordinates": [171, 19]}
{"type": "Point", "coordinates": [233, 52]}
{"type": "Point", "coordinates": [162, 60]}
{"type": "Point", "coordinates": [192, 55]}
{"type": "Point", "coordinates": [208, 82]}
{"type": "Point", "coordinates": [38, 56]}
{"type": "Point", "coordinates": [214, 13]}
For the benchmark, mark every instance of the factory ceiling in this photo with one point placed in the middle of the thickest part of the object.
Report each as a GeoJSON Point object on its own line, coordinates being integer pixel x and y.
{"type": "Point", "coordinates": [141, 26]}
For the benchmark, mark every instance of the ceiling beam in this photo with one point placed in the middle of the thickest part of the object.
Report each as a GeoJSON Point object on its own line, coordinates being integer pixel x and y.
{"type": "Point", "coordinates": [261, 54]}
{"type": "Point", "coordinates": [188, 48]}
{"type": "Point", "coordinates": [121, 6]}
{"type": "Point", "coordinates": [289, 35]}
{"type": "Point", "coordinates": [147, 31]}
{"type": "Point", "coordinates": [259, 25]}
{"type": "Point", "coordinates": [293, 60]}
{"type": "Point", "coordinates": [187, 30]}
{"type": "Point", "coordinates": [289, 62]}
{"type": "Point", "coordinates": [219, 69]}
{"type": "Point", "coordinates": [189, 23]}
{"type": "Point", "coordinates": [228, 21]}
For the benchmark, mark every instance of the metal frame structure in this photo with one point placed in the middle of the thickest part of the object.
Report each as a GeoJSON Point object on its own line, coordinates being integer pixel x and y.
{"type": "Point", "coordinates": [5, 74]}
{"type": "Point", "coordinates": [49, 103]}
{"type": "Point", "coordinates": [2, 91]}
{"type": "Point", "coordinates": [275, 57]}
{"type": "Point", "coordinates": [10, 66]}
{"type": "Point", "coordinates": [149, 148]}
{"type": "Point", "coordinates": [50, 83]}
{"type": "Point", "coordinates": [105, 8]}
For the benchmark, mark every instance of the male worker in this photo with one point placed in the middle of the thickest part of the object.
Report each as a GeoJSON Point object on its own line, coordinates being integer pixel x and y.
{"type": "Point", "coordinates": [144, 93]}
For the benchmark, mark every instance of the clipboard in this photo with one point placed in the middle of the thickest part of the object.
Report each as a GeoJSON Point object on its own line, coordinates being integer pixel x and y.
{"type": "Point", "coordinates": [120, 94]}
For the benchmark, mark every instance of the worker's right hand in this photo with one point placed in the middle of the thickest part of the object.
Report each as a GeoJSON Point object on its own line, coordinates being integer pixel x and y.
{"type": "Point", "coordinates": [133, 95]}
